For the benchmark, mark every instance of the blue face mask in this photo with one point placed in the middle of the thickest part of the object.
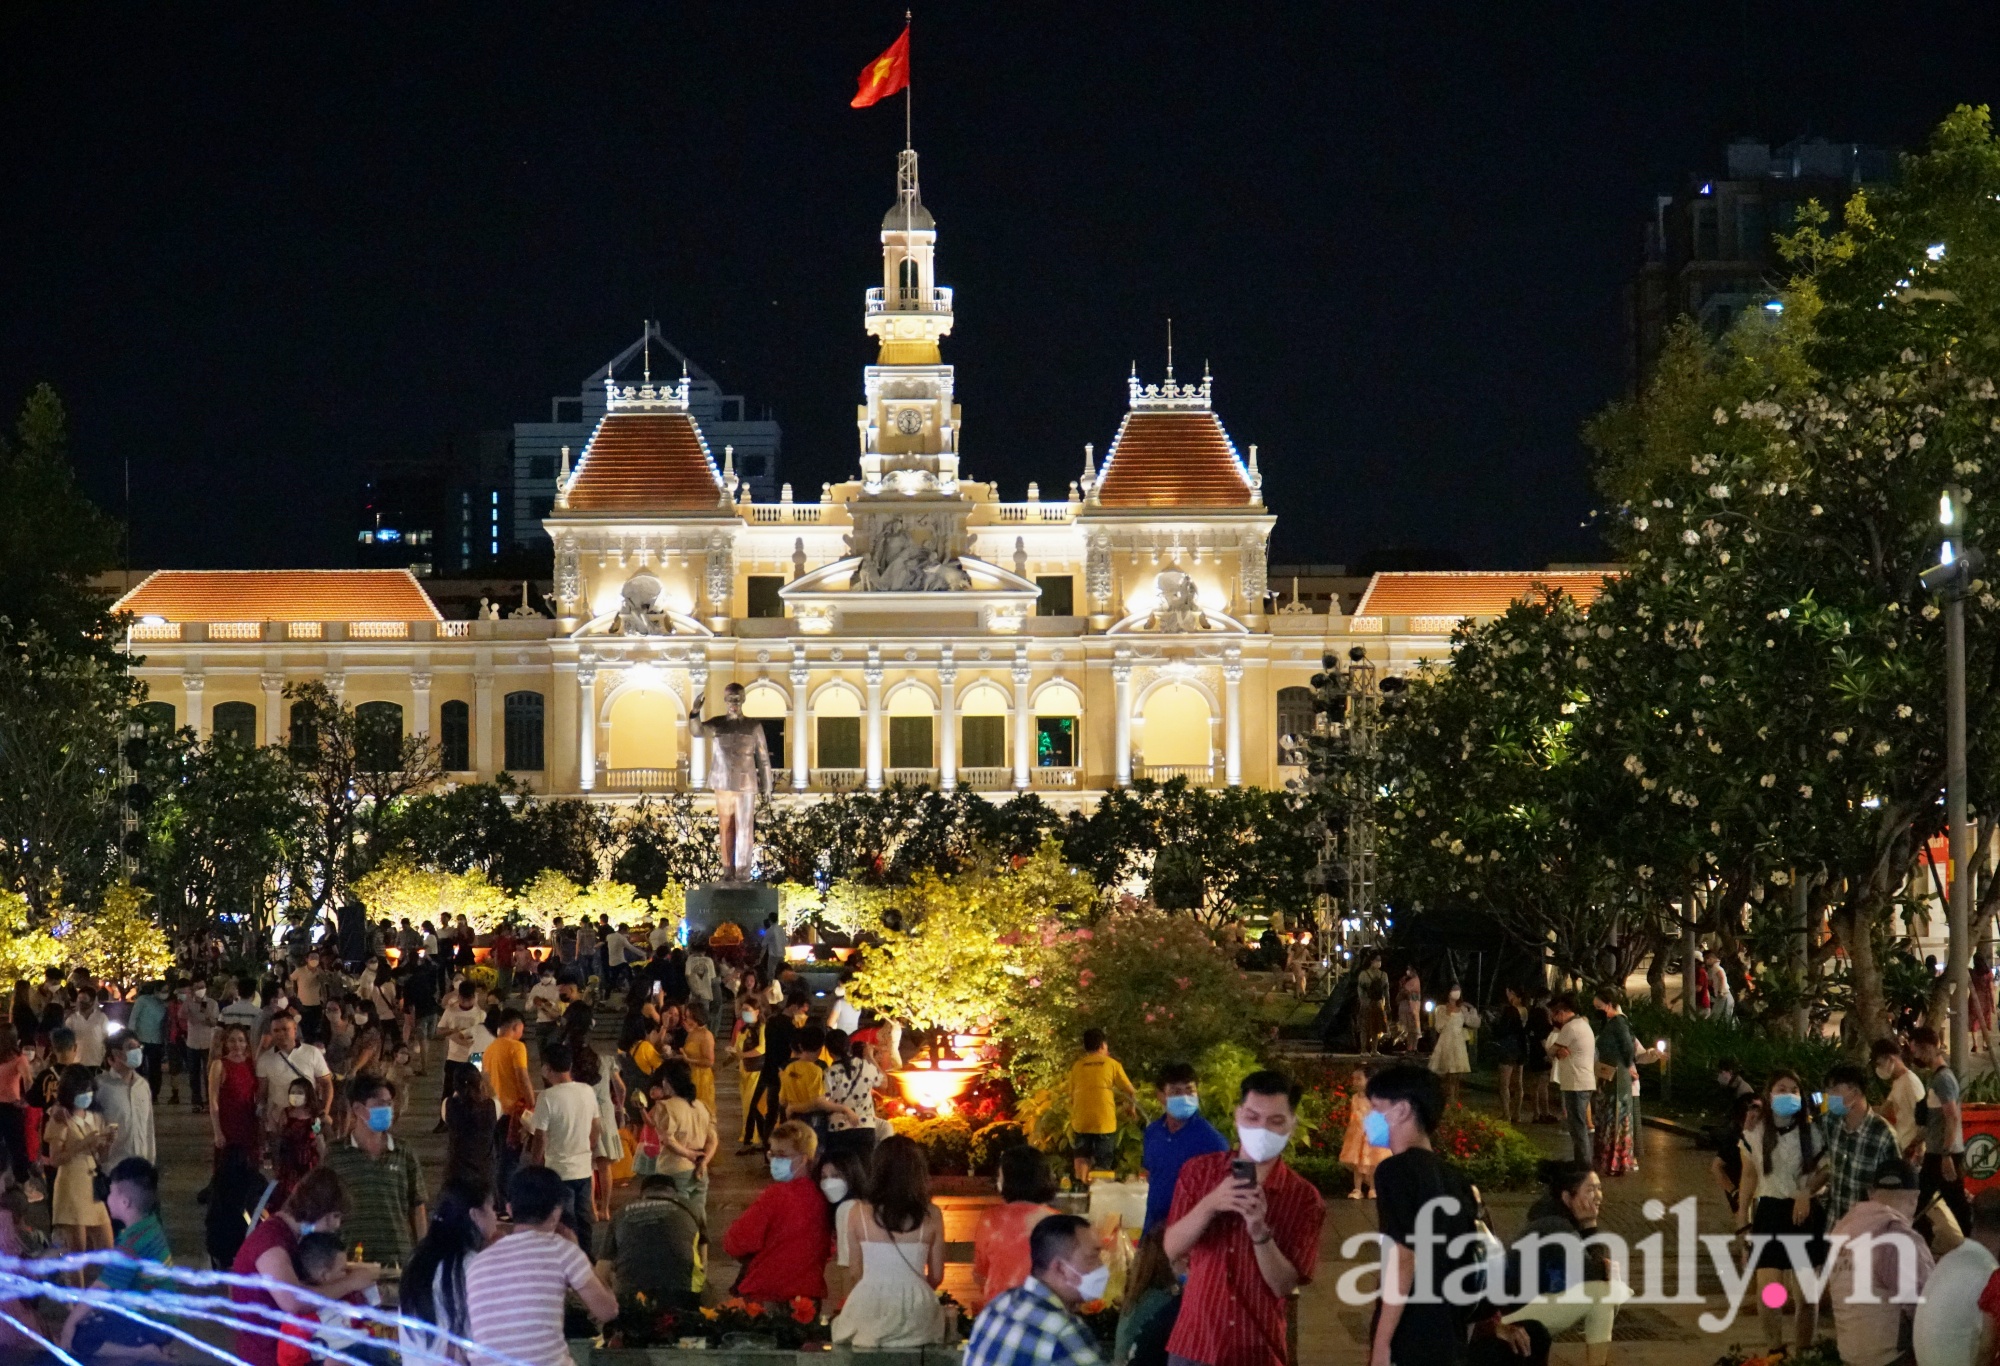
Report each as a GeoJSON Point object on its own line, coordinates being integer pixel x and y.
{"type": "Point", "coordinates": [781, 1169]}
{"type": "Point", "coordinates": [1183, 1107]}
{"type": "Point", "coordinates": [380, 1117]}
{"type": "Point", "coordinates": [83, 1099]}
{"type": "Point", "coordinates": [1836, 1104]}
{"type": "Point", "coordinates": [1375, 1128]}
{"type": "Point", "coordinates": [1785, 1105]}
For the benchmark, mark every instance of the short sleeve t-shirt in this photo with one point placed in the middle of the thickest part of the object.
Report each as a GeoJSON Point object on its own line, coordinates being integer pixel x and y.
{"type": "Point", "coordinates": [279, 1070]}
{"type": "Point", "coordinates": [457, 1018]}
{"type": "Point", "coordinates": [506, 1064]}
{"type": "Point", "coordinates": [801, 1083]}
{"type": "Point", "coordinates": [1938, 1136]}
{"type": "Point", "coordinates": [1093, 1104]}
{"type": "Point", "coordinates": [1404, 1184]}
{"type": "Point", "coordinates": [564, 1114]}
{"type": "Point", "coordinates": [1906, 1093]}
{"type": "Point", "coordinates": [514, 1293]}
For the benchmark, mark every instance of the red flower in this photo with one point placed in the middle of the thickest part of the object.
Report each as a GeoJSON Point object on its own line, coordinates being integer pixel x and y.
{"type": "Point", "coordinates": [803, 1310]}
{"type": "Point", "coordinates": [754, 1309]}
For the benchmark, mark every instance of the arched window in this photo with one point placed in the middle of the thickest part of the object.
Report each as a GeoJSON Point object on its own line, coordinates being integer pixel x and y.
{"type": "Point", "coordinates": [982, 728]}
{"type": "Point", "coordinates": [156, 715]}
{"type": "Point", "coordinates": [1058, 714]}
{"type": "Point", "coordinates": [1174, 728]}
{"type": "Point", "coordinates": [1295, 722]}
{"type": "Point", "coordinates": [836, 729]}
{"type": "Point", "coordinates": [236, 722]}
{"type": "Point", "coordinates": [524, 732]}
{"type": "Point", "coordinates": [455, 736]}
{"type": "Point", "coordinates": [907, 277]}
{"type": "Point", "coordinates": [767, 704]}
{"type": "Point", "coordinates": [911, 728]}
{"type": "Point", "coordinates": [378, 737]}
{"type": "Point", "coordinates": [302, 737]}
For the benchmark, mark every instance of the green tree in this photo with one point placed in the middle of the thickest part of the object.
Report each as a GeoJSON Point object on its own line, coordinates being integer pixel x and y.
{"type": "Point", "coordinates": [224, 818]}
{"type": "Point", "coordinates": [53, 539]}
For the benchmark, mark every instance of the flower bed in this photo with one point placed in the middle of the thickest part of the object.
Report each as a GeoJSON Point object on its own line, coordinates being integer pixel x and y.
{"type": "Point", "coordinates": [641, 1324]}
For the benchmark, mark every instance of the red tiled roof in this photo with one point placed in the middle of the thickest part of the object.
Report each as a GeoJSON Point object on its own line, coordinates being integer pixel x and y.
{"type": "Point", "coordinates": [1172, 460]}
{"type": "Point", "coordinates": [645, 462]}
{"type": "Point", "coordinates": [1469, 594]}
{"type": "Point", "coordinates": [280, 595]}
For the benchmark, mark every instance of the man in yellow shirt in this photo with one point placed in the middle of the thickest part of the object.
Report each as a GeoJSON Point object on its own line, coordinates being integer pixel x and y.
{"type": "Point", "coordinates": [505, 1063]}
{"type": "Point", "coordinates": [802, 1085]}
{"type": "Point", "coordinates": [1097, 1085]}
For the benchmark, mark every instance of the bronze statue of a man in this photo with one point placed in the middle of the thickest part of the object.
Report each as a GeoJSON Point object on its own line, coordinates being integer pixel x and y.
{"type": "Point", "coordinates": [739, 766]}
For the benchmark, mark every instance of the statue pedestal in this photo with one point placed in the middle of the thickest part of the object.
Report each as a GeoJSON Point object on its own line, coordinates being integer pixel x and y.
{"type": "Point", "coordinates": [748, 904]}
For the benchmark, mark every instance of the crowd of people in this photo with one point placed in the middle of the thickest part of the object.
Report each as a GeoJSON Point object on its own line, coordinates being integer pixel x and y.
{"type": "Point", "coordinates": [571, 1063]}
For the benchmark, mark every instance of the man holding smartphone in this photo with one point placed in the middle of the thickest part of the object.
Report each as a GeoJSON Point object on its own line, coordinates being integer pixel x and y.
{"type": "Point", "coordinates": [1249, 1227]}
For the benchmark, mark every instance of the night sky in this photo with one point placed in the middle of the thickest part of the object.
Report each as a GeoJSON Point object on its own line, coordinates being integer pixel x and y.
{"type": "Point", "coordinates": [254, 245]}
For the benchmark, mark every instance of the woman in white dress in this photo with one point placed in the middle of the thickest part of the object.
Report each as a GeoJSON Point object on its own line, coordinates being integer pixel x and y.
{"type": "Point", "coordinates": [899, 1234]}
{"type": "Point", "coordinates": [600, 1074]}
{"type": "Point", "coordinates": [1449, 1058]}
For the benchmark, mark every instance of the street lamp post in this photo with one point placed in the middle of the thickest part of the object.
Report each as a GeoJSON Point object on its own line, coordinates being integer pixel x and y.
{"type": "Point", "coordinates": [1950, 577]}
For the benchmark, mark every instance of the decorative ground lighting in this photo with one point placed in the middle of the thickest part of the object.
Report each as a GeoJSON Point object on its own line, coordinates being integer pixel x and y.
{"type": "Point", "coordinates": [937, 1084]}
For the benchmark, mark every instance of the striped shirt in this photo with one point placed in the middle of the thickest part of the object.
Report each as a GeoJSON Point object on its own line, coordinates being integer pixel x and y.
{"type": "Point", "coordinates": [514, 1293]}
{"type": "Point", "coordinates": [143, 1242]}
{"type": "Point", "coordinates": [1229, 1317]}
{"type": "Point", "coordinates": [382, 1195]}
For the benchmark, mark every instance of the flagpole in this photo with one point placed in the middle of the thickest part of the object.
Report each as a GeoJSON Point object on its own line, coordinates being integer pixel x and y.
{"type": "Point", "coordinates": [907, 143]}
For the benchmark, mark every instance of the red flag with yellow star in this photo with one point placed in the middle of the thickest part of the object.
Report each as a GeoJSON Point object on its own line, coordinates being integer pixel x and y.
{"type": "Point", "coordinates": [886, 74]}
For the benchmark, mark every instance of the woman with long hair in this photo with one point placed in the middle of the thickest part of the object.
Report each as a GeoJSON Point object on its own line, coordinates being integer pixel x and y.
{"type": "Point", "coordinates": [317, 1204]}
{"type": "Point", "coordinates": [1151, 1305]}
{"type": "Point", "coordinates": [843, 1179]}
{"type": "Point", "coordinates": [590, 1068]}
{"type": "Point", "coordinates": [1778, 1156]}
{"type": "Point", "coordinates": [76, 1138]}
{"type": "Point", "coordinates": [900, 1234]}
{"type": "Point", "coordinates": [1000, 1253]}
{"type": "Point", "coordinates": [433, 1286]}
{"type": "Point", "coordinates": [687, 1134]}
{"type": "Point", "coordinates": [232, 1095]}
{"type": "Point", "coordinates": [469, 1115]}
{"type": "Point", "coordinates": [1616, 1142]}
{"type": "Point", "coordinates": [749, 1025]}
{"type": "Point", "coordinates": [698, 1050]}
{"type": "Point", "coordinates": [1572, 1199]}
{"type": "Point", "coordinates": [16, 1071]}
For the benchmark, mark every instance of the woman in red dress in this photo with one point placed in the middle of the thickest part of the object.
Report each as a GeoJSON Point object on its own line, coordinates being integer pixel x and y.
{"type": "Point", "coordinates": [232, 1088]}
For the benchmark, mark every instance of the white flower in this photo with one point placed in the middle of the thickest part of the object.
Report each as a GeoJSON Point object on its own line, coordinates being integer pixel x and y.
{"type": "Point", "coordinates": [1714, 747]}
{"type": "Point", "coordinates": [1718, 490]}
{"type": "Point", "coordinates": [1916, 441]}
{"type": "Point", "coordinates": [1817, 509]}
{"type": "Point", "coordinates": [1723, 557]}
{"type": "Point", "coordinates": [1635, 766]}
{"type": "Point", "coordinates": [1649, 783]}
{"type": "Point", "coordinates": [1930, 611]}
{"type": "Point", "coordinates": [1833, 754]}
{"type": "Point", "coordinates": [1715, 827]}
{"type": "Point", "coordinates": [1903, 712]}
{"type": "Point", "coordinates": [1805, 789]}
{"type": "Point", "coordinates": [1690, 538]}
{"type": "Point", "coordinates": [1840, 737]}
{"type": "Point", "coordinates": [1881, 746]}
{"type": "Point", "coordinates": [1721, 417]}
{"type": "Point", "coordinates": [1768, 780]}
{"type": "Point", "coordinates": [1708, 680]}
{"type": "Point", "coordinates": [1779, 877]}
{"type": "Point", "coordinates": [1640, 524]}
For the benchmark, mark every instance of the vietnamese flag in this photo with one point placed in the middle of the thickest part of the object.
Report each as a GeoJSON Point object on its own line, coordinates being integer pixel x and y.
{"type": "Point", "coordinates": [886, 74]}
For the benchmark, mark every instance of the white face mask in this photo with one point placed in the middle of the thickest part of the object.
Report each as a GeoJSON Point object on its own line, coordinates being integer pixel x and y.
{"type": "Point", "coordinates": [1092, 1284]}
{"type": "Point", "coordinates": [1262, 1145]}
{"type": "Point", "coordinates": [833, 1188]}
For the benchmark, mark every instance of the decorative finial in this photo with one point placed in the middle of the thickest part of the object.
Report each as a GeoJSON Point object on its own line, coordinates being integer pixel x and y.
{"type": "Point", "coordinates": [1170, 350]}
{"type": "Point", "coordinates": [564, 478]}
{"type": "Point", "coordinates": [646, 351]}
{"type": "Point", "coordinates": [798, 558]}
{"type": "Point", "coordinates": [1089, 464]}
{"type": "Point", "coordinates": [1256, 479]}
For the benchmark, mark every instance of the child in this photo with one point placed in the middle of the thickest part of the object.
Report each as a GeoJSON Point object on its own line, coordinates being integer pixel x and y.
{"type": "Point", "coordinates": [300, 1143]}
{"type": "Point", "coordinates": [1356, 1152]}
{"type": "Point", "coordinates": [320, 1260]}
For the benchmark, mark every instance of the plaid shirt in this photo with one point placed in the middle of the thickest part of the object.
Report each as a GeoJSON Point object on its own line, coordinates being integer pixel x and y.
{"type": "Point", "coordinates": [1852, 1157]}
{"type": "Point", "coordinates": [1030, 1326]}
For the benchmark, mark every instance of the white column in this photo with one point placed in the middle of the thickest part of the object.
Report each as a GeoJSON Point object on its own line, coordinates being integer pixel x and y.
{"type": "Point", "coordinates": [1232, 722]}
{"type": "Point", "coordinates": [872, 673]}
{"type": "Point", "coordinates": [801, 743]}
{"type": "Point", "coordinates": [420, 704]}
{"type": "Point", "coordinates": [486, 751]}
{"type": "Point", "coordinates": [586, 727]}
{"type": "Point", "coordinates": [197, 714]}
{"type": "Point", "coordinates": [947, 677]}
{"type": "Point", "coordinates": [274, 707]}
{"type": "Point", "coordinates": [1121, 755]}
{"type": "Point", "coordinates": [697, 746]}
{"type": "Point", "coordinates": [1024, 748]}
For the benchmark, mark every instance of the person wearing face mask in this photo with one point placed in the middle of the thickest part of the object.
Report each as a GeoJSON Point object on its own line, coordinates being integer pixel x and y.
{"type": "Point", "coordinates": [843, 1179]}
{"type": "Point", "coordinates": [384, 1181]}
{"type": "Point", "coordinates": [74, 1144]}
{"type": "Point", "coordinates": [1906, 1094]}
{"type": "Point", "coordinates": [1856, 1141]}
{"type": "Point", "coordinates": [784, 1238]}
{"type": "Point", "coordinates": [125, 1100]}
{"type": "Point", "coordinates": [1248, 1243]}
{"type": "Point", "coordinates": [1170, 1140]}
{"type": "Point", "coordinates": [318, 1205]}
{"type": "Point", "coordinates": [1035, 1324]}
{"type": "Point", "coordinates": [133, 1198]}
{"type": "Point", "coordinates": [202, 1014]}
{"type": "Point", "coordinates": [1405, 1103]}
{"type": "Point", "coordinates": [1779, 1155]}
{"type": "Point", "coordinates": [1449, 1057]}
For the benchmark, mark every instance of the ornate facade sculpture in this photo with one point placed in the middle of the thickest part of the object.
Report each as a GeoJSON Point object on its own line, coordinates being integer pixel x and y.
{"type": "Point", "coordinates": [1179, 609]}
{"type": "Point", "coordinates": [906, 554]}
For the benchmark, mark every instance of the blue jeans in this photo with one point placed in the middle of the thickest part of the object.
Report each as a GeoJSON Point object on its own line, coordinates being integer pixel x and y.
{"type": "Point", "coordinates": [1576, 1114]}
{"type": "Point", "coordinates": [578, 1215]}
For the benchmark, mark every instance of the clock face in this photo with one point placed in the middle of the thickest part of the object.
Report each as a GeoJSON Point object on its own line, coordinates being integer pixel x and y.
{"type": "Point", "coordinates": [909, 421]}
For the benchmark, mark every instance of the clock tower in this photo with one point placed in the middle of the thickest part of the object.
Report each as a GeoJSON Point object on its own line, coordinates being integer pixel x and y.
{"type": "Point", "coordinates": [909, 423]}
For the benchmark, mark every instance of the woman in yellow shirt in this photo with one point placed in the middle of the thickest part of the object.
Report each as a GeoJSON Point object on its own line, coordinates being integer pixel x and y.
{"type": "Point", "coordinates": [699, 1054]}
{"type": "Point", "coordinates": [750, 1061]}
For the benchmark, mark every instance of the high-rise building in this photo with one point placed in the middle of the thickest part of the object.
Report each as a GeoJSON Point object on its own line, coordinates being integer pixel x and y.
{"type": "Point", "coordinates": [1711, 248]}
{"type": "Point", "coordinates": [447, 510]}
{"type": "Point", "coordinates": [750, 444]}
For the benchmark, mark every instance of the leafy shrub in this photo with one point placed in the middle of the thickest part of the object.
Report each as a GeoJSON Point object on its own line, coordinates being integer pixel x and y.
{"type": "Point", "coordinates": [482, 976]}
{"type": "Point", "coordinates": [946, 1141]}
{"type": "Point", "coordinates": [1696, 1046]}
{"type": "Point", "coordinates": [1327, 1175]}
{"type": "Point", "coordinates": [1489, 1153]}
{"type": "Point", "coordinates": [983, 1156]}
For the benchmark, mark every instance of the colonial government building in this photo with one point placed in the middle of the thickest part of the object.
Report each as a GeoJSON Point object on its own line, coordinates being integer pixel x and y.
{"type": "Point", "coordinates": [908, 625]}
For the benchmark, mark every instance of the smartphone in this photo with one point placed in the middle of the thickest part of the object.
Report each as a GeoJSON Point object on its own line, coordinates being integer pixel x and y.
{"type": "Point", "coordinates": [1244, 1170]}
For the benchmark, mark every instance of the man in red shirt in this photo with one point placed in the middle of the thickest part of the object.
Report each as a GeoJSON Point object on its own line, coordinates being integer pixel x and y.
{"type": "Point", "coordinates": [1250, 1244]}
{"type": "Point", "coordinates": [785, 1237]}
